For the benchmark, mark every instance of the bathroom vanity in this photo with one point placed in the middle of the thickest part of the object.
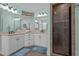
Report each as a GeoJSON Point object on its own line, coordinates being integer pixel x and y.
{"type": "Point", "coordinates": [11, 43]}
{"type": "Point", "coordinates": [22, 30]}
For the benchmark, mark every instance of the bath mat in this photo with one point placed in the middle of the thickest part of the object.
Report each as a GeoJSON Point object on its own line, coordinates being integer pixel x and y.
{"type": "Point", "coordinates": [40, 49]}
{"type": "Point", "coordinates": [21, 52]}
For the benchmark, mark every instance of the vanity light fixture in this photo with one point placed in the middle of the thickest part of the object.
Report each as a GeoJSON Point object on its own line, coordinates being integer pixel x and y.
{"type": "Point", "coordinates": [8, 8]}
{"type": "Point", "coordinates": [11, 9]}
{"type": "Point", "coordinates": [15, 11]}
{"type": "Point", "coordinates": [1, 6]}
{"type": "Point", "coordinates": [45, 14]}
{"type": "Point", "coordinates": [4, 6]}
{"type": "Point", "coordinates": [36, 21]}
{"type": "Point", "coordinates": [42, 14]}
{"type": "Point", "coordinates": [39, 15]}
{"type": "Point", "coordinates": [17, 19]}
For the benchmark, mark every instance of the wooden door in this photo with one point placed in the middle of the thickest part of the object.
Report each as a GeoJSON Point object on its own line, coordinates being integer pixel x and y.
{"type": "Point", "coordinates": [62, 29]}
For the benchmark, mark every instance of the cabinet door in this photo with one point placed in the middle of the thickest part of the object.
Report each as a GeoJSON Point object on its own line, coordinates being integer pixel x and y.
{"type": "Point", "coordinates": [44, 40]}
{"type": "Point", "coordinates": [37, 39]}
{"type": "Point", "coordinates": [26, 42]}
{"type": "Point", "coordinates": [31, 39]}
{"type": "Point", "coordinates": [5, 45]}
{"type": "Point", "coordinates": [17, 42]}
{"type": "Point", "coordinates": [26, 36]}
{"type": "Point", "coordinates": [12, 44]}
{"type": "Point", "coordinates": [20, 41]}
{"type": "Point", "coordinates": [31, 42]}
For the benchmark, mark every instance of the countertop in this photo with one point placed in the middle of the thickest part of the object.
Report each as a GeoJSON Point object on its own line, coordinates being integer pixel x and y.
{"type": "Point", "coordinates": [21, 32]}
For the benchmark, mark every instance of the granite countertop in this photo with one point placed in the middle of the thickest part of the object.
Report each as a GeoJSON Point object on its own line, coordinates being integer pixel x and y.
{"type": "Point", "coordinates": [16, 33]}
{"type": "Point", "coordinates": [21, 33]}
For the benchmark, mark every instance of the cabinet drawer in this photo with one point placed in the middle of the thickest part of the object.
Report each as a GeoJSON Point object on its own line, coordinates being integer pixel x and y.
{"type": "Point", "coordinates": [27, 42]}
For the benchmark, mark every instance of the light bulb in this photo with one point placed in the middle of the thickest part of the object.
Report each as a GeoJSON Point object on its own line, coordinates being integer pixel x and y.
{"type": "Point", "coordinates": [2, 6]}
{"type": "Point", "coordinates": [12, 10]}
{"type": "Point", "coordinates": [15, 12]}
{"type": "Point", "coordinates": [39, 15]}
{"type": "Point", "coordinates": [5, 7]}
{"type": "Point", "coordinates": [17, 19]}
{"type": "Point", "coordinates": [36, 21]}
{"type": "Point", "coordinates": [8, 8]}
{"type": "Point", "coordinates": [45, 14]}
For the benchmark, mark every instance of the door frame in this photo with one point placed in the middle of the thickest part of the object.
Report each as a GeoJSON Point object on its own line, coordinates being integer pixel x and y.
{"type": "Point", "coordinates": [72, 28]}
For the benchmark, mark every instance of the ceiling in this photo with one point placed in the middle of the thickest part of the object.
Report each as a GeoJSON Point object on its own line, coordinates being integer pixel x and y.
{"type": "Point", "coordinates": [30, 6]}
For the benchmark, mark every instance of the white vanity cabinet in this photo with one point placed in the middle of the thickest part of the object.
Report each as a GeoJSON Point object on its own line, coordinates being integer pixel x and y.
{"type": "Point", "coordinates": [44, 40]}
{"type": "Point", "coordinates": [19, 41]}
{"type": "Point", "coordinates": [29, 40]}
{"type": "Point", "coordinates": [5, 45]}
{"type": "Point", "coordinates": [16, 42]}
{"type": "Point", "coordinates": [40, 39]}
{"type": "Point", "coordinates": [26, 42]}
{"type": "Point", "coordinates": [37, 39]}
{"type": "Point", "coordinates": [12, 43]}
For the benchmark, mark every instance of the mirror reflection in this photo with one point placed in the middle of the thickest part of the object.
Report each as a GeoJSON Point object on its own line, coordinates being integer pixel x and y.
{"type": "Point", "coordinates": [13, 20]}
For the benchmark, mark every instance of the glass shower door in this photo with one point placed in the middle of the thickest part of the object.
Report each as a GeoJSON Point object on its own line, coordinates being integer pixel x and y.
{"type": "Point", "coordinates": [61, 29]}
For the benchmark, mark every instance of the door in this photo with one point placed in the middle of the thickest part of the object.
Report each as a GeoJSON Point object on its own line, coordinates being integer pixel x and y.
{"type": "Point", "coordinates": [61, 29]}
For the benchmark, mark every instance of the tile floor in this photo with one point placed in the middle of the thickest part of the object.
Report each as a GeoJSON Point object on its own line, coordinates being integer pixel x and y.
{"type": "Point", "coordinates": [33, 51]}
